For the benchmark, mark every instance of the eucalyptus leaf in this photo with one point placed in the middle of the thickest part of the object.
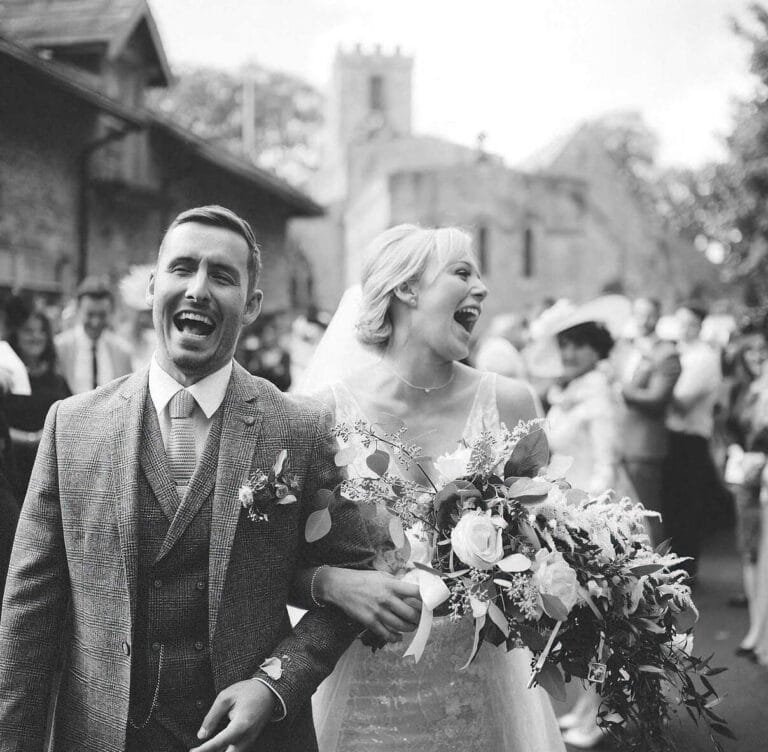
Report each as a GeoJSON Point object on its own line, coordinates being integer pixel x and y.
{"type": "Point", "coordinates": [529, 456]}
{"type": "Point", "coordinates": [378, 462]}
{"type": "Point", "coordinates": [554, 607]}
{"type": "Point", "coordinates": [396, 532]}
{"type": "Point", "coordinates": [524, 487]}
{"type": "Point", "coordinates": [514, 563]}
{"type": "Point", "coordinates": [318, 525]}
{"type": "Point", "coordinates": [552, 680]}
{"type": "Point", "coordinates": [345, 456]}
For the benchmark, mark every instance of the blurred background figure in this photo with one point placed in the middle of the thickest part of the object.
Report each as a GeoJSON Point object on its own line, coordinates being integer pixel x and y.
{"type": "Point", "coordinates": [746, 428]}
{"type": "Point", "coordinates": [141, 338]}
{"type": "Point", "coordinates": [691, 482]}
{"type": "Point", "coordinates": [649, 370]}
{"type": "Point", "coordinates": [90, 355]}
{"type": "Point", "coordinates": [306, 332]}
{"type": "Point", "coordinates": [500, 349]}
{"type": "Point", "coordinates": [263, 354]}
{"type": "Point", "coordinates": [583, 423]}
{"type": "Point", "coordinates": [32, 340]}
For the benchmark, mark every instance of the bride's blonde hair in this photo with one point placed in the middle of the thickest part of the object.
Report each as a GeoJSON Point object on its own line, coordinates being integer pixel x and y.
{"type": "Point", "coordinates": [400, 254]}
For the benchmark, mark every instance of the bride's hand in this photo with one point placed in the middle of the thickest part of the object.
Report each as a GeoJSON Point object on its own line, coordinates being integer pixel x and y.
{"type": "Point", "coordinates": [385, 605]}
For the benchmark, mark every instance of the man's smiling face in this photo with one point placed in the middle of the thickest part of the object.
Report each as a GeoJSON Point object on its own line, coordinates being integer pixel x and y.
{"type": "Point", "coordinates": [200, 299]}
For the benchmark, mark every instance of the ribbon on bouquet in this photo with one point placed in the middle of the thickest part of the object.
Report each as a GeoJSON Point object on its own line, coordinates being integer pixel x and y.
{"type": "Point", "coordinates": [433, 592]}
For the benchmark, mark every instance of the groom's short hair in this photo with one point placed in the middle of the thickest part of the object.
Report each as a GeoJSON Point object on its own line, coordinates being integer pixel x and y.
{"type": "Point", "coordinates": [220, 216]}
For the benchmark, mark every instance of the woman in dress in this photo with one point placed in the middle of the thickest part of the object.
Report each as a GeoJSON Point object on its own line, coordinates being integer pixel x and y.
{"type": "Point", "coordinates": [32, 339]}
{"type": "Point", "coordinates": [421, 298]}
{"type": "Point", "coordinates": [582, 424]}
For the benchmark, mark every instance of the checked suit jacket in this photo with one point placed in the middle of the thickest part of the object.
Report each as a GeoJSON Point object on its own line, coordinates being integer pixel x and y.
{"type": "Point", "coordinates": [75, 560]}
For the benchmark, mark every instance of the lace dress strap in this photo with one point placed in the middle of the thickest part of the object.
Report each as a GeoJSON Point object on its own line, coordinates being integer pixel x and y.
{"type": "Point", "coordinates": [484, 413]}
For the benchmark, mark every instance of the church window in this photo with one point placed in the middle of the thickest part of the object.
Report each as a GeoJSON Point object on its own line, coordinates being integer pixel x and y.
{"type": "Point", "coordinates": [528, 265]}
{"type": "Point", "coordinates": [482, 248]}
{"type": "Point", "coordinates": [376, 93]}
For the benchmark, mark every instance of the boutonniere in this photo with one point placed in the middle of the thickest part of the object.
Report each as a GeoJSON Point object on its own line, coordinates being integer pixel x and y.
{"type": "Point", "coordinates": [263, 490]}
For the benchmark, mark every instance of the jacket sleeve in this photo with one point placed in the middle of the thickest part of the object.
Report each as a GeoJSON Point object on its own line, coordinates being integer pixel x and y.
{"type": "Point", "coordinates": [34, 607]}
{"type": "Point", "coordinates": [310, 652]}
{"type": "Point", "coordinates": [657, 394]}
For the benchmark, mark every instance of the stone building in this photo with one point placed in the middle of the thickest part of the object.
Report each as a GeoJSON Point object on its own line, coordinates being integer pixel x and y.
{"type": "Point", "coordinates": [89, 177]}
{"type": "Point", "coordinates": [570, 226]}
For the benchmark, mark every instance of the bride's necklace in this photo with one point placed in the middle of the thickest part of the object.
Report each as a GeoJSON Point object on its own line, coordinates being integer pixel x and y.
{"type": "Point", "coordinates": [425, 389]}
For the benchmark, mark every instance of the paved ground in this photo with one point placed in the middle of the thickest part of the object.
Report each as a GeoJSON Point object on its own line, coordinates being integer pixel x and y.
{"type": "Point", "coordinates": [745, 685]}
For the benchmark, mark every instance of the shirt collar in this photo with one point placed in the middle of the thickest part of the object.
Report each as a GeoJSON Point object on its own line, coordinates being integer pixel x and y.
{"type": "Point", "coordinates": [208, 392]}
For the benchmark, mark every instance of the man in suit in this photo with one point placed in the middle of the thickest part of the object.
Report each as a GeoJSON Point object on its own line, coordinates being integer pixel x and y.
{"type": "Point", "coordinates": [651, 370]}
{"type": "Point", "coordinates": [132, 533]}
{"type": "Point", "coordinates": [90, 355]}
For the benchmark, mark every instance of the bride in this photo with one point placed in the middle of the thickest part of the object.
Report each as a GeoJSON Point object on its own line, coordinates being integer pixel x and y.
{"type": "Point", "coordinates": [421, 297]}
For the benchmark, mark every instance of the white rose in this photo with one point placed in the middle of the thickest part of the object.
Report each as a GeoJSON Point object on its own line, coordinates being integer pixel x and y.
{"type": "Point", "coordinates": [245, 495]}
{"type": "Point", "coordinates": [477, 541]}
{"type": "Point", "coordinates": [553, 576]}
{"type": "Point", "coordinates": [454, 465]}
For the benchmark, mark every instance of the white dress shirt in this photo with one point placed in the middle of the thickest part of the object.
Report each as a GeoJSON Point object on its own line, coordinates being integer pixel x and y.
{"type": "Point", "coordinates": [208, 394]}
{"type": "Point", "coordinates": [696, 391]}
{"type": "Point", "coordinates": [83, 368]}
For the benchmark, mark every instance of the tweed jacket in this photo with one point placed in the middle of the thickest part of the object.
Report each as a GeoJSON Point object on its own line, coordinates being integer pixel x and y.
{"type": "Point", "coordinates": [76, 552]}
{"type": "Point", "coordinates": [66, 352]}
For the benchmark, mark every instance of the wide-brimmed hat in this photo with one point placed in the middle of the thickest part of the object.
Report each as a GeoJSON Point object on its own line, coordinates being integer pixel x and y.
{"type": "Point", "coordinates": [612, 311]}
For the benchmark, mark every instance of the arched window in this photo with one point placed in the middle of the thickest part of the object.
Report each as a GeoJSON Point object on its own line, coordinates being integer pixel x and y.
{"type": "Point", "coordinates": [376, 93]}
{"type": "Point", "coordinates": [482, 248]}
{"type": "Point", "coordinates": [528, 251]}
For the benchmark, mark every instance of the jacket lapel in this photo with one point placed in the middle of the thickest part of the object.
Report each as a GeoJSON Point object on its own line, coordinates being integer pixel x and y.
{"type": "Point", "coordinates": [241, 420]}
{"type": "Point", "coordinates": [154, 463]}
{"type": "Point", "coordinates": [125, 451]}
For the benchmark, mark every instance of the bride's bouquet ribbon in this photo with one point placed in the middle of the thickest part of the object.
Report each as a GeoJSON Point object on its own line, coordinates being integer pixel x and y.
{"type": "Point", "coordinates": [433, 592]}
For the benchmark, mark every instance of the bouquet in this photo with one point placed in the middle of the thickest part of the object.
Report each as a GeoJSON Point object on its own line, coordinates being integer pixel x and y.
{"type": "Point", "coordinates": [502, 536]}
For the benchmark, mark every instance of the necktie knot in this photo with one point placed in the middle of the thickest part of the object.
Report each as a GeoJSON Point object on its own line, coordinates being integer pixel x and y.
{"type": "Point", "coordinates": [182, 404]}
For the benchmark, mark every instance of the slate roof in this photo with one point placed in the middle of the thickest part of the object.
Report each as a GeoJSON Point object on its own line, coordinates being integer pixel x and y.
{"type": "Point", "coordinates": [60, 76]}
{"type": "Point", "coordinates": [70, 23]}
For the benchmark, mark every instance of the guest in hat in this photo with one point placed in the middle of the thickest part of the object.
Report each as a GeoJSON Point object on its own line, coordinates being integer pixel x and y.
{"type": "Point", "coordinates": [583, 422]}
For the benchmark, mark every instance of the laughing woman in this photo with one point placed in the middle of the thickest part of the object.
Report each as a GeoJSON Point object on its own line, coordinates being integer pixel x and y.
{"type": "Point", "coordinates": [421, 297]}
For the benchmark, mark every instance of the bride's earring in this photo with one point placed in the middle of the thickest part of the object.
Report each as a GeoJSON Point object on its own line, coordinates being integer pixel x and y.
{"type": "Point", "coordinates": [412, 301]}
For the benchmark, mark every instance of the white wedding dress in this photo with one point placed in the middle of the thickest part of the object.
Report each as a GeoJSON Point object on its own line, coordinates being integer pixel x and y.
{"type": "Point", "coordinates": [381, 701]}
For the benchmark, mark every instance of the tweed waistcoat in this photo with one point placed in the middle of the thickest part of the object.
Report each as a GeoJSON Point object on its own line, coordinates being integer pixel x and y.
{"type": "Point", "coordinates": [172, 682]}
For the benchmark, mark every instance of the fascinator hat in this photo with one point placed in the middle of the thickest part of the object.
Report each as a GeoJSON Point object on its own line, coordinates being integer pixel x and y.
{"type": "Point", "coordinates": [543, 355]}
{"type": "Point", "coordinates": [612, 311]}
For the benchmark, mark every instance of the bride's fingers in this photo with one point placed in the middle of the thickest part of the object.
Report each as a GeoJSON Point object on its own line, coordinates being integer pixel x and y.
{"type": "Point", "coordinates": [407, 615]}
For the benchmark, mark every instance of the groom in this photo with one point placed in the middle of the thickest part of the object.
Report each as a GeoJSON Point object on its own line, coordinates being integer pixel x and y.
{"type": "Point", "coordinates": [135, 559]}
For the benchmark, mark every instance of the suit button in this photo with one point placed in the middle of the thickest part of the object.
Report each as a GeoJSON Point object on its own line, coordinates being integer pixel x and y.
{"type": "Point", "coordinates": [200, 585]}
{"type": "Point", "coordinates": [158, 583]}
{"type": "Point", "coordinates": [125, 647]}
{"type": "Point", "coordinates": [156, 647]}
{"type": "Point", "coordinates": [199, 645]}
{"type": "Point", "coordinates": [249, 420]}
{"type": "Point", "coordinates": [200, 704]}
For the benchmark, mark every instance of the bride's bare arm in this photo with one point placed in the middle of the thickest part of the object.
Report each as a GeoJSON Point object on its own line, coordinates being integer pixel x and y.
{"type": "Point", "coordinates": [385, 605]}
{"type": "Point", "coordinates": [516, 401]}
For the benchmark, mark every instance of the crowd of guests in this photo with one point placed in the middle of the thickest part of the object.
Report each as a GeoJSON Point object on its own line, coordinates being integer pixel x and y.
{"type": "Point", "coordinates": [669, 410]}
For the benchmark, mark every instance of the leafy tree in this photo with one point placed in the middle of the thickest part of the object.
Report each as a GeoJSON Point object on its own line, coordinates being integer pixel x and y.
{"type": "Point", "coordinates": [724, 206]}
{"type": "Point", "coordinates": [287, 115]}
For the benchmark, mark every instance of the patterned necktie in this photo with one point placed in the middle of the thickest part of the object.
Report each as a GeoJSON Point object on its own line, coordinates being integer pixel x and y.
{"type": "Point", "coordinates": [94, 363]}
{"type": "Point", "coordinates": [181, 440]}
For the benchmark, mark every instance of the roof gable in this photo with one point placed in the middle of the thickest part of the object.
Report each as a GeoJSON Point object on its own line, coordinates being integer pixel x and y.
{"type": "Point", "coordinates": [74, 23]}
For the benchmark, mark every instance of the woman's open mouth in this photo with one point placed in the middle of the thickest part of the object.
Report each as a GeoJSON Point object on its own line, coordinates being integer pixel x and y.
{"type": "Point", "coordinates": [467, 317]}
{"type": "Point", "coordinates": [194, 324]}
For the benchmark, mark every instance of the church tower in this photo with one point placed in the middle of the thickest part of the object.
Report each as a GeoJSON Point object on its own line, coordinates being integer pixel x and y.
{"type": "Point", "coordinates": [370, 99]}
